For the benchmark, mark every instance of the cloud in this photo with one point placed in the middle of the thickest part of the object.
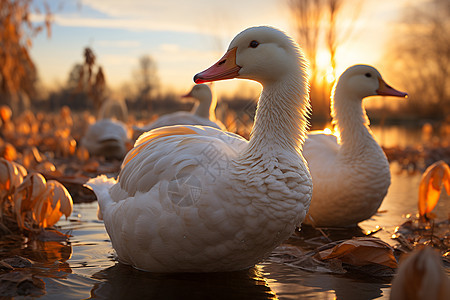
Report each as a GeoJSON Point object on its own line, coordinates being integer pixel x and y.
{"type": "Point", "coordinates": [119, 44]}
{"type": "Point", "coordinates": [117, 60]}
{"type": "Point", "coordinates": [130, 24]}
{"type": "Point", "coordinates": [171, 48]}
{"type": "Point", "coordinates": [200, 16]}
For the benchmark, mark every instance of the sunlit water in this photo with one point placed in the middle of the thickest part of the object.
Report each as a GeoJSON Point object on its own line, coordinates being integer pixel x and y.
{"type": "Point", "coordinates": [91, 270]}
{"type": "Point", "coordinates": [85, 267]}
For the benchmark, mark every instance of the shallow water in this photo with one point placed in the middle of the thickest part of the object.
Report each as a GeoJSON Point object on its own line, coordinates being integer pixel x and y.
{"type": "Point", "coordinates": [85, 267]}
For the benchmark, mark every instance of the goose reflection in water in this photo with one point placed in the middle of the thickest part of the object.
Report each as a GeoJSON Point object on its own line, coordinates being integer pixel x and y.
{"type": "Point", "coordinates": [125, 282]}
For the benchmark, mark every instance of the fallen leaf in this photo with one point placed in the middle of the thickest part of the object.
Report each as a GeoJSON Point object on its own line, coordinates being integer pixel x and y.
{"type": "Point", "coordinates": [5, 266]}
{"type": "Point", "coordinates": [18, 262]}
{"type": "Point", "coordinates": [20, 284]}
{"type": "Point", "coordinates": [361, 251]}
{"type": "Point", "coordinates": [294, 257]}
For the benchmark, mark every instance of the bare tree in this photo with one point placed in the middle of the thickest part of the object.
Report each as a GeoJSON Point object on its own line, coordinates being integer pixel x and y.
{"type": "Point", "coordinates": [146, 79]}
{"type": "Point", "coordinates": [307, 16]}
{"type": "Point", "coordinates": [18, 73]}
{"type": "Point", "coordinates": [333, 39]}
{"type": "Point", "coordinates": [316, 23]}
{"type": "Point", "coordinates": [421, 57]}
{"type": "Point", "coordinates": [84, 79]}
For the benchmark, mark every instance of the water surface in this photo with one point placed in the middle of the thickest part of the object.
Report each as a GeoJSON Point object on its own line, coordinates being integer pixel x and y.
{"type": "Point", "coordinates": [85, 267]}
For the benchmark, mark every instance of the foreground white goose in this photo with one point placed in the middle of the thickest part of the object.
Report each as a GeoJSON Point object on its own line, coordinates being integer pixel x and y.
{"type": "Point", "coordinates": [198, 199]}
{"type": "Point", "coordinates": [350, 172]}
{"type": "Point", "coordinates": [203, 112]}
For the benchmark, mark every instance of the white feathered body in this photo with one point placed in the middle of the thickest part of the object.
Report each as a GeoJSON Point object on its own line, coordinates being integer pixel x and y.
{"type": "Point", "coordinates": [181, 118]}
{"type": "Point", "coordinates": [238, 210]}
{"type": "Point", "coordinates": [198, 199]}
{"type": "Point", "coordinates": [349, 186]}
{"type": "Point", "coordinates": [350, 171]}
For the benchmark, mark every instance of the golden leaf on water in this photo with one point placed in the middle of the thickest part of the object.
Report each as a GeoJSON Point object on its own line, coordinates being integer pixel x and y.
{"type": "Point", "coordinates": [11, 176]}
{"type": "Point", "coordinates": [361, 251]}
{"type": "Point", "coordinates": [40, 202]}
{"type": "Point", "coordinates": [433, 179]}
{"type": "Point", "coordinates": [26, 196]}
{"type": "Point", "coordinates": [52, 204]}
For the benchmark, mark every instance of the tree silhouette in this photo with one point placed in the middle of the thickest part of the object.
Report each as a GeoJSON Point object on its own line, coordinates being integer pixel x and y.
{"type": "Point", "coordinates": [18, 73]}
{"type": "Point", "coordinates": [317, 24]}
{"type": "Point", "coordinates": [146, 79]}
{"type": "Point", "coordinates": [84, 79]}
{"type": "Point", "coordinates": [420, 56]}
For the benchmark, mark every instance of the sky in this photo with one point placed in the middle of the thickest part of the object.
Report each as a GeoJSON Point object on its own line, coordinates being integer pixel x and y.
{"type": "Point", "coordinates": [183, 37]}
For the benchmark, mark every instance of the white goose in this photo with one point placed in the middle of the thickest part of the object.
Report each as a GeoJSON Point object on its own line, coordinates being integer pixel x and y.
{"type": "Point", "coordinates": [198, 199]}
{"type": "Point", "coordinates": [350, 171]}
{"type": "Point", "coordinates": [203, 112]}
{"type": "Point", "coordinates": [108, 138]}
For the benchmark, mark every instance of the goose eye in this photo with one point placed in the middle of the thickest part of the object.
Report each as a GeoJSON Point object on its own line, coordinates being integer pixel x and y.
{"type": "Point", "coordinates": [368, 75]}
{"type": "Point", "coordinates": [254, 44]}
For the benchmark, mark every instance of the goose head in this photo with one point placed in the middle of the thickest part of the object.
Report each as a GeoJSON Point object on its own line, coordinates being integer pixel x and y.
{"type": "Point", "coordinates": [362, 81]}
{"type": "Point", "coordinates": [201, 92]}
{"type": "Point", "coordinates": [263, 54]}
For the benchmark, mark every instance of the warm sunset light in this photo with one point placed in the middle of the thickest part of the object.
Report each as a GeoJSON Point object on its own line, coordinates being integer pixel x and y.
{"type": "Point", "coordinates": [327, 131]}
{"type": "Point", "coordinates": [179, 42]}
{"type": "Point", "coordinates": [258, 149]}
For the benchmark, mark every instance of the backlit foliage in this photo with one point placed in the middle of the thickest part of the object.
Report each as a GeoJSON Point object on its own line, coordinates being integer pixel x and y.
{"type": "Point", "coordinates": [433, 180]}
{"type": "Point", "coordinates": [17, 70]}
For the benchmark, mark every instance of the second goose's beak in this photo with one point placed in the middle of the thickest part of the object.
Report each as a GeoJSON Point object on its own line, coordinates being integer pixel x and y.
{"type": "Point", "coordinates": [386, 90]}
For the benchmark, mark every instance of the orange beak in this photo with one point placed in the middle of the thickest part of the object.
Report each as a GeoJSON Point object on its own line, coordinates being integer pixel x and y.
{"type": "Point", "coordinates": [386, 90]}
{"type": "Point", "coordinates": [225, 68]}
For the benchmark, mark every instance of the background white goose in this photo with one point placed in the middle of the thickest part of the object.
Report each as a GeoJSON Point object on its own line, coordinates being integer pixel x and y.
{"type": "Point", "coordinates": [350, 172]}
{"type": "Point", "coordinates": [198, 199]}
{"type": "Point", "coordinates": [108, 138]}
{"type": "Point", "coordinates": [114, 108]}
{"type": "Point", "coordinates": [203, 112]}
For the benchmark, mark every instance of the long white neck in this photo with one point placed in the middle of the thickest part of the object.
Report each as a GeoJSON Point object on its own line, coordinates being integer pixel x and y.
{"type": "Point", "coordinates": [280, 121]}
{"type": "Point", "coordinates": [205, 108]}
{"type": "Point", "coordinates": [351, 122]}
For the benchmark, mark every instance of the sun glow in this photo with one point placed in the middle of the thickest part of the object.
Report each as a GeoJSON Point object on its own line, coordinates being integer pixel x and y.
{"type": "Point", "coordinates": [325, 71]}
{"type": "Point", "coordinates": [327, 131]}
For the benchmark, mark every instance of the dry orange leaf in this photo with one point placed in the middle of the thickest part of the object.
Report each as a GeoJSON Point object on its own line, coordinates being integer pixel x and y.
{"type": "Point", "coordinates": [45, 201]}
{"type": "Point", "coordinates": [434, 177]}
{"type": "Point", "coordinates": [11, 176]}
{"type": "Point", "coordinates": [361, 251]}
